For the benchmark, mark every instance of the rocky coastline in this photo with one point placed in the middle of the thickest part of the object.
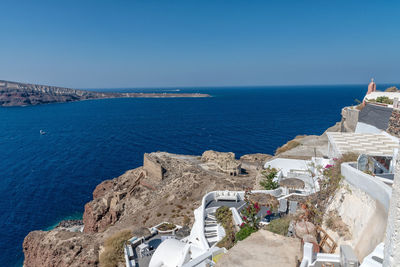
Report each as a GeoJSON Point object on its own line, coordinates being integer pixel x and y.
{"type": "Point", "coordinates": [167, 187]}
{"type": "Point", "coordinates": [22, 94]}
{"type": "Point", "coordinates": [136, 199]}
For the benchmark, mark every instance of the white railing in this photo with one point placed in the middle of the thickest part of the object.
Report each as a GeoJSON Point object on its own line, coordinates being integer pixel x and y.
{"type": "Point", "coordinates": [294, 194]}
{"type": "Point", "coordinates": [236, 217]}
{"type": "Point", "coordinates": [177, 227]}
{"type": "Point", "coordinates": [311, 259]}
{"type": "Point", "coordinates": [206, 199]}
{"type": "Point", "coordinates": [206, 255]}
{"type": "Point", "coordinates": [373, 186]}
{"type": "Point", "coordinates": [129, 253]}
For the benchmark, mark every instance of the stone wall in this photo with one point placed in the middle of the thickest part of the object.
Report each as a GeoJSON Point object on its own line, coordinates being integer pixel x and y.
{"type": "Point", "coordinates": [225, 161]}
{"type": "Point", "coordinates": [153, 169]}
{"type": "Point", "coordinates": [364, 217]}
{"type": "Point", "coordinates": [349, 119]}
{"type": "Point", "coordinates": [394, 123]}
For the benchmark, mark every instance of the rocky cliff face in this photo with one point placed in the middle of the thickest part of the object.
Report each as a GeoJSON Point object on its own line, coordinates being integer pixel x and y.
{"type": "Point", "coordinates": [20, 94]}
{"type": "Point", "coordinates": [23, 94]}
{"type": "Point", "coordinates": [394, 123]}
{"type": "Point", "coordinates": [131, 201]}
{"type": "Point", "coordinates": [60, 248]}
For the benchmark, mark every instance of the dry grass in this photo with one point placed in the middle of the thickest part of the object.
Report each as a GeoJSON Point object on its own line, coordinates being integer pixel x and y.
{"type": "Point", "coordinates": [279, 226]}
{"type": "Point", "coordinates": [288, 146]}
{"type": "Point", "coordinates": [179, 206]}
{"type": "Point", "coordinates": [186, 220]}
{"type": "Point", "coordinates": [335, 223]}
{"type": "Point", "coordinates": [114, 249]}
{"type": "Point", "coordinates": [224, 217]}
{"type": "Point", "coordinates": [392, 89]}
{"type": "Point", "coordinates": [166, 227]}
{"type": "Point", "coordinates": [360, 106]}
{"type": "Point", "coordinates": [333, 177]}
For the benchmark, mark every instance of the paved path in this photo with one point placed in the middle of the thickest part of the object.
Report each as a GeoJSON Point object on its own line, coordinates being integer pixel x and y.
{"type": "Point", "coordinates": [261, 249]}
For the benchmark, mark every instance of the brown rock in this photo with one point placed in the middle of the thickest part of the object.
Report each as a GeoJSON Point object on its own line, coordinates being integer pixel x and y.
{"type": "Point", "coordinates": [124, 203]}
{"type": "Point", "coordinates": [102, 189]}
{"type": "Point", "coordinates": [60, 248]}
{"type": "Point", "coordinates": [257, 157]}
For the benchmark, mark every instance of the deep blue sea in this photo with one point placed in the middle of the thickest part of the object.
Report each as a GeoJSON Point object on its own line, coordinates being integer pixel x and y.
{"type": "Point", "coordinates": [46, 178]}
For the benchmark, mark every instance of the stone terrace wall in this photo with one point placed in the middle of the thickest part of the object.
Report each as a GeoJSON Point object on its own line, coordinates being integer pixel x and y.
{"type": "Point", "coordinates": [153, 169]}
{"type": "Point", "coordinates": [349, 119]}
{"type": "Point", "coordinates": [394, 123]}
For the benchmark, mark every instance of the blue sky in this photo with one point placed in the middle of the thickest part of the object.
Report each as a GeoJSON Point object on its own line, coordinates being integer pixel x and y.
{"type": "Point", "coordinates": [104, 44]}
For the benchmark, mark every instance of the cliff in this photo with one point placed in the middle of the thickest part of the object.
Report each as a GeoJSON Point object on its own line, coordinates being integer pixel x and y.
{"type": "Point", "coordinates": [24, 94]}
{"type": "Point", "coordinates": [141, 197]}
{"type": "Point", "coordinates": [168, 187]}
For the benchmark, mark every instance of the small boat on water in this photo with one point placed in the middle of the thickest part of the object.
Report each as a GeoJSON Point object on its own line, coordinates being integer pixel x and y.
{"type": "Point", "coordinates": [42, 132]}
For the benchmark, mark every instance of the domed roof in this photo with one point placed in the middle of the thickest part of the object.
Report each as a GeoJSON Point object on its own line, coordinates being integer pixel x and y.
{"type": "Point", "coordinates": [169, 253]}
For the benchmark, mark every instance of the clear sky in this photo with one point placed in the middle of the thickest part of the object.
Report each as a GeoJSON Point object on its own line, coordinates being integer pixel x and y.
{"type": "Point", "coordinates": [111, 44]}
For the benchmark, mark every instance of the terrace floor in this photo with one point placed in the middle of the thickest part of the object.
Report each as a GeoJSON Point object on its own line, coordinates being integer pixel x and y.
{"type": "Point", "coordinates": [263, 248]}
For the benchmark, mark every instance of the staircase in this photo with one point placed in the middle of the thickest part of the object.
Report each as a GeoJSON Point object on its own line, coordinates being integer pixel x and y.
{"type": "Point", "coordinates": [211, 229]}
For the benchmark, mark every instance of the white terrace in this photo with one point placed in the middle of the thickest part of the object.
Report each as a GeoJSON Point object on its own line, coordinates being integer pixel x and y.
{"type": "Point", "coordinates": [361, 143]}
{"type": "Point", "coordinates": [308, 171]}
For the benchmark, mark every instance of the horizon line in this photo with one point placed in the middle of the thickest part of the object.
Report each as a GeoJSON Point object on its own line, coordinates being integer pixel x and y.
{"type": "Point", "coordinates": [207, 86]}
{"type": "Point", "coordinates": [235, 86]}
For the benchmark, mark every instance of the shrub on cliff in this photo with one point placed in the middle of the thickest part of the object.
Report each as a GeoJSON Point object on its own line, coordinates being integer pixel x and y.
{"type": "Point", "coordinates": [244, 232]}
{"type": "Point", "coordinates": [392, 89]}
{"type": "Point", "coordinates": [250, 219]}
{"type": "Point", "coordinates": [268, 180]}
{"type": "Point", "coordinates": [317, 204]}
{"type": "Point", "coordinates": [224, 217]}
{"type": "Point", "coordinates": [114, 249]}
{"type": "Point", "coordinates": [384, 100]}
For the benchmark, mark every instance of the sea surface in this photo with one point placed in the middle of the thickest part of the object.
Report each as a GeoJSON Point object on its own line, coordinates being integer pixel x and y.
{"type": "Point", "coordinates": [47, 178]}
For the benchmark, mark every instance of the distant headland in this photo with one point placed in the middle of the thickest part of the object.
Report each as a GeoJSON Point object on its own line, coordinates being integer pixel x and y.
{"type": "Point", "coordinates": [24, 94]}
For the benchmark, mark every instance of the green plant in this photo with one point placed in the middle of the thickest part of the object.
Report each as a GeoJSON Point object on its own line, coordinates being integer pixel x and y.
{"type": "Point", "coordinates": [268, 179]}
{"type": "Point", "coordinates": [279, 226]}
{"type": "Point", "coordinates": [316, 205]}
{"type": "Point", "coordinates": [224, 217]}
{"type": "Point", "coordinates": [250, 212]}
{"type": "Point", "coordinates": [114, 249]}
{"type": "Point", "coordinates": [228, 241]}
{"type": "Point", "coordinates": [244, 232]}
{"type": "Point", "coordinates": [384, 100]}
{"type": "Point", "coordinates": [223, 214]}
